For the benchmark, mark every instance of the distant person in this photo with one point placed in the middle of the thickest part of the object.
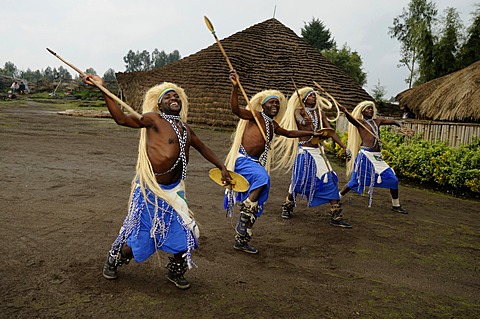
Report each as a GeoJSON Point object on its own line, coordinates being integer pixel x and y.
{"type": "Point", "coordinates": [15, 87]}
{"type": "Point", "coordinates": [22, 88]}
{"type": "Point", "coordinates": [369, 168]}
{"type": "Point", "coordinates": [159, 217]}
{"type": "Point", "coordinates": [407, 113]}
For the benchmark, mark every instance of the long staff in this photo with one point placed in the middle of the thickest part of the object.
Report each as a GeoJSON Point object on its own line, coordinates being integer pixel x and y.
{"type": "Point", "coordinates": [98, 85]}
{"type": "Point", "coordinates": [210, 27]}
{"type": "Point", "coordinates": [356, 120]}
{"type": "Point", "coordinates": [320, 144]}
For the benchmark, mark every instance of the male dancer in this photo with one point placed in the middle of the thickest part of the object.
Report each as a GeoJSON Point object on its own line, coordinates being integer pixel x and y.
{"type": "Point", "coordinates": [369, 168]}
{"type": "Point", "coordinates": [250, 156]}
{"type": "Point", "coordinates": [158, 216]}
{"type": "Point", "coordinates": [312, 174]}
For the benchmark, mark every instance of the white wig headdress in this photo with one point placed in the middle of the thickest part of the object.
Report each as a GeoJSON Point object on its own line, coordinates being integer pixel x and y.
{"type": "Point", "coordinates": [256, 102]}
{"type": "Point", "coordinates": [354, 139]}
{"type": "Point", "coordinates": [287, 148]}
{"type": "Point", "coordinates": [144, 171]}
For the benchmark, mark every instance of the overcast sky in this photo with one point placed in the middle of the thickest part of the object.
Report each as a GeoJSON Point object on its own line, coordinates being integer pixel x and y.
{"type": "Point", "coordinates": [99, 33]}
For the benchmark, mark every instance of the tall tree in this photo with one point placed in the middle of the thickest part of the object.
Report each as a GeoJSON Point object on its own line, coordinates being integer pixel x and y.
{"type": "Point", "coordinates": [350, 62]}
{"type": "Point", "coordinates": [317, 35]}
{"type": "Point", "coordinates": [413, 28]}
{"type": "Point", "coordinates": [470, 51]}
{"type": "Point", "coordinates": [448, 46]}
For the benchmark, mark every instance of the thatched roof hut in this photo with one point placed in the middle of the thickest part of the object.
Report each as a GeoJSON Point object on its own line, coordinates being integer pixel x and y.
{"type": "Point", "coordinates": [454, 97]}
{"type": "Point", "coordinates": [267, 55]}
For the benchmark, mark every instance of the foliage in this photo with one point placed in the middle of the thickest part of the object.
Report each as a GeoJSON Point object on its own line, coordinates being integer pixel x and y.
{"type": "Point", "coordinates": [350, 62]}
{"type": "Point", "coordinates": [470, 51]}
{"type": "Point", "coordinates": [143, 61]}
{"type": "Point", "coordinates": [413, 30]}
{"type": "Point", "coordinates": [378, 92]}
{"type": "Point", "coordinates": [432, 47]}
{"type": "Point", "coordinates": [317, 35]}
{"type": "Point", "coordinates": [9, 69]}
{"type": "Point", "coordinates": [109, 75]}
{"type": "Point", "coordinates": [434, 163]}
{"type": "Point", "coordinates": [447, 48]}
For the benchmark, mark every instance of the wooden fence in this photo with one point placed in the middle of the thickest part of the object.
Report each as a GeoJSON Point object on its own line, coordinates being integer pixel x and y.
{"type": "Point", "coordinates": [455, 134]}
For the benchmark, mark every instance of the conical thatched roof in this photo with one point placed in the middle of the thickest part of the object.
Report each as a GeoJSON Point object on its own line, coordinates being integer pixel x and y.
{"type": "Point", "coordinates": [266, 56]}
{"type": "Point", "coordinates": [454, 97]}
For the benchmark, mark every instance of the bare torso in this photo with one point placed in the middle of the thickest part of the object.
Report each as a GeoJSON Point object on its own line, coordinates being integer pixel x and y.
{"type": "Point", "coordinates": [163, 149]}
{"type": "Point", "coordinates": [252, 139]}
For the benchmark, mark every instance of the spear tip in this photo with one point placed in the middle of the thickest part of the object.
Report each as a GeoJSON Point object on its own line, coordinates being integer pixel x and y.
{"type": "Point", "coordinates": [51, 51]}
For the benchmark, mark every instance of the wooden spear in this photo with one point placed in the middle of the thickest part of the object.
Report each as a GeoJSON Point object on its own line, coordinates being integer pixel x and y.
{"type": "Point", "coordinates": [210, 27]}
{"type": "Point", "coordinates": [98, 85]}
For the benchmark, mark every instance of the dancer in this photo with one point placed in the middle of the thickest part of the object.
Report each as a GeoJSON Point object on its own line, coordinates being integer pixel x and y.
{"type": "Point", "coordinates": [250, 156]}
{"type": "Point", "coordinates": [369, 168]}
{"type": "Point", "coordinates": [158, 216]}
{"type": "Point", "coordinates": [312, 174]}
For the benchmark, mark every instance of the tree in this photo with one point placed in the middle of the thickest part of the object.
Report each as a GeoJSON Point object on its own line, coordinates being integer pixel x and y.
{"type": "Point", "coordinates": [136, 61]}
{"type": "Point", "coordinates": [91, 71]}
{"type": "Point", "coordinates": [413, 28]}
{"type": "Point", "coordinates": [9, 69]}
{"type": "Point", "coordinates": [378, 92]}
{"type": "Point", "coordinates": [350, 62]}
{"type": "Point", "coordinates": [109, 75]}
{"type": "Point", "coordinates": [448, 47]}
{"type": "Point", "coordinates": [470, 51]}
{"type": "Point", "coordinates": [317, 35]}
{"type": "Point", "coordinates": [64, 73]}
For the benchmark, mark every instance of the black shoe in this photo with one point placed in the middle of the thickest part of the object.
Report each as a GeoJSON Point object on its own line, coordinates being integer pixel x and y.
{"type": "Point", "coordinates": [179, 281]}
{"type": "Point", "coordinates": [287, 210]}
{"type": "Point", "coordinates": [110, 268]}
{"type": "Point", "coordinates": [399, 209]}
{"type": "Point", "coordinates": [245, 247]}
{"type": "Point", "coordinates": [340, 223]}
{"type": "Point", "coordinates": [286, 214]}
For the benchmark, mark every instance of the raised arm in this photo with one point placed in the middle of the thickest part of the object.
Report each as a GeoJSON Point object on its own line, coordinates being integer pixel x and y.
{"type": "Point", "coordinates": [118, 115]}
{"type": "Point", "coordinates": [240, 112]}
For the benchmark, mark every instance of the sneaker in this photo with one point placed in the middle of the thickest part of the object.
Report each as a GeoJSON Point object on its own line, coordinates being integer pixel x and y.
{"type": "Point", "coordinates": [179, 281]}
{"type": "Point", "coordinates": [245, 247]}
{"type": "Point", "coordinates": [110, 268]}
{"type": "Point", "coordinates": [399, 209]}
{"type": "Point", "coordinates": [340, 223]}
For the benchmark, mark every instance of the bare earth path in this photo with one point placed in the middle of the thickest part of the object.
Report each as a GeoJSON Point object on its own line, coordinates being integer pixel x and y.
{"type": "Point", "coordinates": [63, 194]}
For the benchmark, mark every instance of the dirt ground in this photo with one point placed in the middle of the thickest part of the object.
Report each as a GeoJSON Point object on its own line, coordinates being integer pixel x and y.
{"type": "Point", "coordinates": [63, 193]}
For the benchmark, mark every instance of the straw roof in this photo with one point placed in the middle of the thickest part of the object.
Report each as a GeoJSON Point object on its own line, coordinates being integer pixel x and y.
{"type": "Point", "coordinates": [267, 55]}
{"type": "Point", "coordinates": [454, 97]}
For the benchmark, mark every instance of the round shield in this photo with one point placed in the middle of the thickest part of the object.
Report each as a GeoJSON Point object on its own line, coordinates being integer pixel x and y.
{"type": "Point", "coordinates": [326, 133]}
{"type": "Point", "coordinates": [239, 183]}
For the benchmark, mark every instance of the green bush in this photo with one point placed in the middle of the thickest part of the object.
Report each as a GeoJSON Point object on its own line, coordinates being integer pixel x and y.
{"type": "Point", "coordinates": [436, 164]}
